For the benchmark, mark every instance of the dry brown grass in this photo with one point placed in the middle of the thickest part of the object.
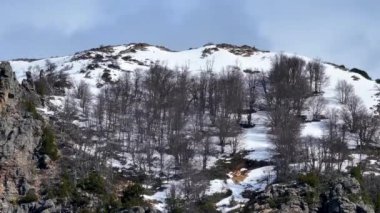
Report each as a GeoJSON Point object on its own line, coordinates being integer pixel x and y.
{"type": "Point", "coordinates": [239, 175]}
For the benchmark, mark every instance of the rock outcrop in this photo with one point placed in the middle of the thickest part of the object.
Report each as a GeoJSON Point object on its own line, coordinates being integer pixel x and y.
{"type": "Point", "coordinates": [28, 82]}
{"type": "Point", "coordinates": [343, 196]}
{"type": "Point", "coordinates": [8, 85]}
{"type": "Point", "coordinates": [19, 138]}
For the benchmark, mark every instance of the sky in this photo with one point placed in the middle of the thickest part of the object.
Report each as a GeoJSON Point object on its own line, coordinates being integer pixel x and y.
{"type": "Point", "coordinates": [340, 31]}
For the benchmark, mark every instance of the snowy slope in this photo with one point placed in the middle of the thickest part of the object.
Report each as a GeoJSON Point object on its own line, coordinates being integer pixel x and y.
{"type": "Point", "coordinates": [91, 65]}
{"type": "Point", "coordinates": [141, 56]}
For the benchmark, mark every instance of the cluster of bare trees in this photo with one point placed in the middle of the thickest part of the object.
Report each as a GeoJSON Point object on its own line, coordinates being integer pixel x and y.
{"type": "Point", "coordinates": [294, 86]}
{"type": "Point", "coordinates": [357, 118]}
{"type": "Point", "coordinates": [349, 124]}
{"type": "Point", "coordinates": [162, 120]}
{"type": "Point", "coordinates": [316, 74]}
{"type": "Point", "coordinates": [329, 151]}
{"type": "Point", "coordinates": [291, 83]}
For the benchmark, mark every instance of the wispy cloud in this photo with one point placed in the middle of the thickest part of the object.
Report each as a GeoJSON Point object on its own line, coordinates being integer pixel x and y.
{"type": "Point", "coordinates": [344, 32]}
{"type": "Point", "coordinates": [67, 17]}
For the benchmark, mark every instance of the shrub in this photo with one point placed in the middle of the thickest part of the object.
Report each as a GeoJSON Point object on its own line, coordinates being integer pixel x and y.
{"type": "Point", "coordinates": [41, 87]}
{"type": "Point", "coordinates": [377, 203]}
{"type": "Point", "coordinates": [111, 203]}
{"type": "Point", "coordinates": [310, 197]}
{"type": "Point", "coordinates": [48, 144]}
{"type": "Point", "coordinates": [94, 182]}
{"type": "Point", "coordinates": [207, 203]}
{"type": "Point", "coordinates": [272, 203]}
{"type": "Point", "coordinates": [66, 187]}
{"type": "Point", "coordinates": [310, 178]}
{"type": "Point", "coordinates": [29, 197]}
{"type": "Point", "coordinates": [366, 197]}
{"type": "Point", "coordinates": [175, 205]}
{"type": "Point", "coordinates": [30, 107]}
{"type": "Point", "coordinates": [206, 206]}
{"type": "Point", "coordinates": [277, 201]}
{"type": "Point", "coordinates": [132, 195]}
{"type": "Point", "coordinates": [85, 210]}
{"type": "Point", "coordinates": [356, 172]}
{"type": "Point", "coordinates": [79, 200]}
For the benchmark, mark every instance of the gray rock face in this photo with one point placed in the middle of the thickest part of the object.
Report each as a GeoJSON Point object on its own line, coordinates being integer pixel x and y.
{"type": "Point", "coordinates": [27, 83]}
{"type": "Point", "coordinates": [282, 198]}
{"type": "Point", "coordinates": [303, 198]}
{"type": "Point", "coordinates": [47, 206]}
{"type": "Point", "coordinates": [19, 139]}
{"type": "Point", "coordinates": [9, 87]}
{"type": "Point", "coordinates": [336, 200]}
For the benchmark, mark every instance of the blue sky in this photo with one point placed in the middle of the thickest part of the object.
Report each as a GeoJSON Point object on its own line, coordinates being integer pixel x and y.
{"type": "Point", "coordinates": [341, 31]}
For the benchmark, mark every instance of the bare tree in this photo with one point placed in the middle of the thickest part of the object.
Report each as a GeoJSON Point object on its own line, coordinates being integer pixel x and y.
{"type": "Point", "coordinates": [313, 153]}
{"type": "Point", "coordinates": [286, 97]}
{"type": "Point", "coordinates": [231, 92]}
{"type": "Point", "coordinates": [69, 111]}
{"type": "Point", "coordinates": [352, 111]}
{"type": "Point", "coordinates": [288, 83]}
{"type": "Point", "coordinates": [367, 127]}
{"type": "Point", "coordinates": [84, 94]}
{"type": "Point", "coordinates": [343, 91]}
{"type": "Point", "coordinates": [207, 150]}
{"type": "Point", "coordinates": [316, 73]}
{"type": "Point", "coordinates": [251, 87]}
{"type": "Point", "coordinates": [335, 141]}
{"type": "Point", "coordinates": [263, 82]}
{"type": "Point", "coordinates": [173, 199]}
{"type": "Point", "coordinates": [193, 187]}
{"type": "Point", "coordinates": [226, 128]}
{"type": "Point", "coordinates": [317, 105]}
{"type": "Point", "coordinates": [286, 140]}
{"type": "Point", "coordinates": [235, 141]}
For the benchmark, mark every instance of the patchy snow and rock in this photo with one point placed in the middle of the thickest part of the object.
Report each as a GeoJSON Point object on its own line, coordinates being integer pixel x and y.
{"type": "Point", "coordinates": [98, 66]}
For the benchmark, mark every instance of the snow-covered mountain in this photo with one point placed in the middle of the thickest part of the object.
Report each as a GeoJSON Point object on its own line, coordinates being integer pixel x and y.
{"type": "Point", "coordinates": [106, 64]}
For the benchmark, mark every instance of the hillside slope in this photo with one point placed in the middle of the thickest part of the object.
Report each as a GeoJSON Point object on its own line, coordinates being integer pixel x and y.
{"type": "Point", "coordinates": [106, 65]}
{"type": "Point", "coordinates": [98, 65]}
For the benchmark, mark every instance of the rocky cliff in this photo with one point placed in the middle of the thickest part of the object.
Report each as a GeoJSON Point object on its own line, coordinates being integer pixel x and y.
{"type": "Point", "coordinates": [343, 195]}
{"type": "Point", "coordinates": [20, 135]}
{"type": "Point", "coordinates": [8, 86]}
